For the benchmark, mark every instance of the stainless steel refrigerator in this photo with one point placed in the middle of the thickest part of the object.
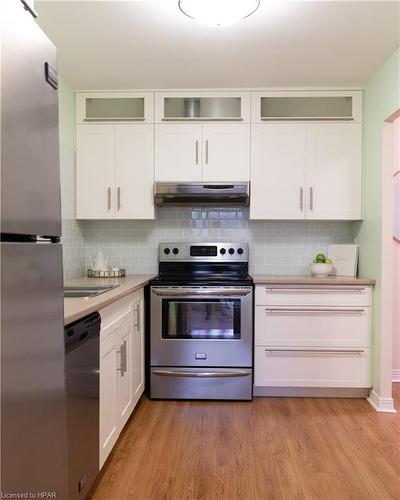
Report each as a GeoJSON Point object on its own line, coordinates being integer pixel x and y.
{"type": "Point", "coordinates": [33, 416]}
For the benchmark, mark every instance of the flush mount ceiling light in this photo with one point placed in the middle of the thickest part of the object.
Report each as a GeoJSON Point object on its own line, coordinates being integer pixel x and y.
{"type": "Point", "coordinates": [218, 12]}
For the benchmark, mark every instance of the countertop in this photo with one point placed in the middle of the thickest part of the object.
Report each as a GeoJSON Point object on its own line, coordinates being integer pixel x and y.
{"type": "Point", "coordinates": [76, 308]}
{"type": "Point", "coordinates": [265, 279]}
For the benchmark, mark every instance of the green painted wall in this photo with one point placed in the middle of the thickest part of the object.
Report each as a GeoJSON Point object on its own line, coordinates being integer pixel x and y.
{"type": "Point", "coordinates": [381, 99]}
{"type": "Point", "coordinates": [66, 106]}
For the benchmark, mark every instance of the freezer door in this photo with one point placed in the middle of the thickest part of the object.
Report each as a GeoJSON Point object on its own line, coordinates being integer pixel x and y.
{"type": "Point", "coordinates": [30, 171]}
{"type": "Point", "coordinates": [33, 409]}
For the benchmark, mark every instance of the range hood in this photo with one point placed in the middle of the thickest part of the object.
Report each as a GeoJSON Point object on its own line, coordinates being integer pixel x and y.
{"type": "Point", "coordinates": [200, 194]}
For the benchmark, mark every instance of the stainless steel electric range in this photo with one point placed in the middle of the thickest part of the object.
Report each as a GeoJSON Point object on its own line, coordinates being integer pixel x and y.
{"type": "Point", "coordinates": [201, 324]}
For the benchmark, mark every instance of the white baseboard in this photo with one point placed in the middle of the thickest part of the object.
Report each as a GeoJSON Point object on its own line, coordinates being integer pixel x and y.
{"type": "Point", "coordinates": [395, 375]}
{"type": "Point", "coordinates": [383, 405]}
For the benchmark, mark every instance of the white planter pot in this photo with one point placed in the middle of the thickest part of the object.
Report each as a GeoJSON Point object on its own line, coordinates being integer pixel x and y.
{"type": "Point", "coordinates": [321, 270]}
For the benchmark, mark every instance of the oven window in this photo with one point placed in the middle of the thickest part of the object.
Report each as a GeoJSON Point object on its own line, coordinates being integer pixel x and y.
{"type": "Point", "coordinates": [201, 319]}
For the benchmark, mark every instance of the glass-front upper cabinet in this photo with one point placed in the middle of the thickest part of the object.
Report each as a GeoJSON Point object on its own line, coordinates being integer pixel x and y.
{"type": "Point", "coordinates": [307, 106]}
{"type": "Point", "coordinates": [115, 107]}
{"type": "Point", "coordinates": [202, 106]}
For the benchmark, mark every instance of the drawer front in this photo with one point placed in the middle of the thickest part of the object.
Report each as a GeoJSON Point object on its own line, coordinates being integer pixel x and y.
{"type": "Point", "coordinates": [316, 295]}
{"type": "Point", "coordinates": [113, 315]}
{"type": "Point", "coordinates": [187, 383]}
{"type": "Point", "coordinates": [307, 367]}
{"type": "Point", "coordinates": [312, 326]}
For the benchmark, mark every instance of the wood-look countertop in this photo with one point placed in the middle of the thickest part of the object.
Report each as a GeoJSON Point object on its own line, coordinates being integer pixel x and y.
{"type": "Point", "coordinates": [76, 308]}
{"type": "Point", "coordinates": [265, 279]}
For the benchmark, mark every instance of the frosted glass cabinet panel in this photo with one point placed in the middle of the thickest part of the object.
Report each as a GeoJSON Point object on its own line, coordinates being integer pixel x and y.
{"type": "Point", "coordinates": [202, 107]}
{"type": "Point", "coordinates": [339, 107]}
{"type": "Point", "coordinates": [114, 108]}
{"type": "Point", "coordinates": [307, 105]}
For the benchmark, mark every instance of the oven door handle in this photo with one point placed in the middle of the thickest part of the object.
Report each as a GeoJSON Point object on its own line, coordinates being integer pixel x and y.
{"type": "Point", "coordinates": [182, 373]}
{"type": "Point", "coordinates": [185, 292]}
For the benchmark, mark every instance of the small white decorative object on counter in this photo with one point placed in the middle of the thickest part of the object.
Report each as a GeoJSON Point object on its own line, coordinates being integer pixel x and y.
{"type": "Point", "coordinates": [321, 270]}
{"type": "Point", "coordinates": [98, 262]}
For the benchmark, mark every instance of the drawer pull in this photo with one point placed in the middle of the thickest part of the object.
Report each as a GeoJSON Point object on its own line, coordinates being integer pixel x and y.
{"type": "Point", "coordinates": [205, 374]}
{"type": "Point", "coordinates": [317, 351]}
{"type": "Point", "coordinates": [321, 288]}
{"type": "Point", "coordinates": [310, 310]}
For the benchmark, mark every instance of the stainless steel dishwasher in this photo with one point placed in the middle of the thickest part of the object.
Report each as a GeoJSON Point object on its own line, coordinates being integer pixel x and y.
{"type": "Point", "coordinates": [82, 359]}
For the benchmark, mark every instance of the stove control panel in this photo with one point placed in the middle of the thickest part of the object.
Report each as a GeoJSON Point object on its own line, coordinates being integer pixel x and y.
{"type": "Point", "coordinates": [207, 252]}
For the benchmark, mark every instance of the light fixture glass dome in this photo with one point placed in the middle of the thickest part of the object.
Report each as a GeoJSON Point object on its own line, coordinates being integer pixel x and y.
{"type": "Point", "coordinates": [218, 12]}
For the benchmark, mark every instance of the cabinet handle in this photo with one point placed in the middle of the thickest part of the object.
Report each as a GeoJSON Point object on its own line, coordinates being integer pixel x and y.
{"type": "Point", "coordinates": [109, 198]}
{"type": "Point", "coordinates": [317, 351]}
{"type": "Point", "coordinates": [197, 152]}
{"type": "Point", "coordinates": [301, 198]}
{"type": "Point", "coordinates": [311, 198]}
{"type": "Point", "coordinates": [118, 198]}
{"type": "Point", "coordinates": [207, 152]}
{"type": "Point", "coordinates": [329, 288]}
{"type": "Point", "coordinates": [138, 319]}
{"type": "Point", "coordinates": [310, 310]}
{"type": "Point", "coordinates": [123, 363]}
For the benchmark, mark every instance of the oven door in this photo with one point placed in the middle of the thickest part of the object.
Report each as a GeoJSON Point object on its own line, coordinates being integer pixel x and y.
{"type": "Point", "coordinates": [201, 326]}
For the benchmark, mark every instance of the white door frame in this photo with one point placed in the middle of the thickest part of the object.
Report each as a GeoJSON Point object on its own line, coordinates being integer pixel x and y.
{"type": "Point", "coordinates": [383, 401]}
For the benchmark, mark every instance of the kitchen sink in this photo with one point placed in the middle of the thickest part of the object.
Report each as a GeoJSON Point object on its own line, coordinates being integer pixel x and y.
{"type": "Point", "coordinates": [86, 291]}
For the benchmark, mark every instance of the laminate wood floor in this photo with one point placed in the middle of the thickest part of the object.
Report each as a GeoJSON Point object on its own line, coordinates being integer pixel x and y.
{"type": "Point", "coordinates": [271, 448]}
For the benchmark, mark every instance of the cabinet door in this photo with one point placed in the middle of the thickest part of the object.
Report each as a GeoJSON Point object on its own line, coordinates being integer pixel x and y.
{"type": "Point", "coordinates": [95, 171]}
{"type": "Point", "coordinates": [278, 171]}
{"type": "Point", "coordinates": [138, 347]}
{"type": "Point", "coordinates": [134, 174]}
{"type": "Point", "coordinates": [178, 152]}
{"type": "Point", "coordinates": [109, 421]}
{"type": "Point", "coordinates": [125, 402]}
{"type": "Point", "coordinates": [334, 171]}
{"type": "Point", "coordinates": [226, 152]}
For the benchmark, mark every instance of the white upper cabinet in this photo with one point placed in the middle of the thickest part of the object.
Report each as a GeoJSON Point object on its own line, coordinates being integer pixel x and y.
{"type": "Point", "coordinates": [226, 152]}
{"type": "Point", "coordinates": [301, 171]}
{"type": "Point", "coordinates": [95, 175]}
{"type": "Point", "coordinates": [334, 171]}
{"type": "Point", "coordinates": [202, 152]}
{"type": "Point", "coordinates": [134, 171]}
{"type": "Point", "coordinates": [115, 107]}
{"type": "Point", "coordinates": [115, 171]}
{"type": "Point", "coordinates": [178, 152]}
{"type": "Point", "coordinates": [301, 150]}
{"type": "Point", "coordinates": [202, 106]}
{"type": "Point", "coordinates": [278, 172]}
{"type": "Point", "coordinates": [303, 105]}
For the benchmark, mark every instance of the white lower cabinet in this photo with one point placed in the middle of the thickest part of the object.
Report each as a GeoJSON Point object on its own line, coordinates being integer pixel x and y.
{"type": "Point", "coordinates": [312, 337]}
{"type": "Point", "coordinates": [313, 326]}
{"type": "Point", "coordinates": [312, 367]}
{"type": "Point", "coordinates": [138, 347]}
{"type": "Point", "coordinates": [108, 396]}
{"type": "Point", "coordinates": [121, 366]}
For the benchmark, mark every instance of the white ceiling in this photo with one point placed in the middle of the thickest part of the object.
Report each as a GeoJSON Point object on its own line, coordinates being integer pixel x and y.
{"type": "Point", "coordinates": [151, 44]}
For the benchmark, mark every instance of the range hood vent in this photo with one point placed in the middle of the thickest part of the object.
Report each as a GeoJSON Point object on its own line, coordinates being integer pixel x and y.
{"type": "Point", "coordinates": [200, 194]}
